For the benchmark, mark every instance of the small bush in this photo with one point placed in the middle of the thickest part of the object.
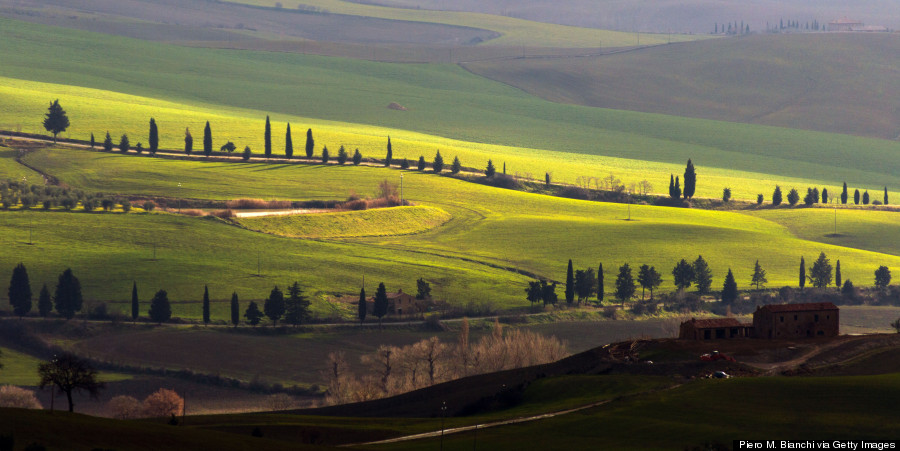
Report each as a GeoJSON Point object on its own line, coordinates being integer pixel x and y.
{"type": "Point", "coordinates": [12, 396]}
{"type": "Point", "coordinates": [433, 323]}
{"type": "Point", "coordinates": [126, 205]}
{"type": "Point", "coordinates": [149, 205]}
{"type": "Point", "coordinates": [224, 214]}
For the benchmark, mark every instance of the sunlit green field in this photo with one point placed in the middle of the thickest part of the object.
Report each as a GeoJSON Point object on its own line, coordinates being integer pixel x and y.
{"type": "Point", "coordinates": [21, 369]}
{"type": "Point", "coordinates": [448, 109]}
{"type": "Point", "coordinates": [472, 257]}
{"type": "Point", "coordinates": [380, 222]}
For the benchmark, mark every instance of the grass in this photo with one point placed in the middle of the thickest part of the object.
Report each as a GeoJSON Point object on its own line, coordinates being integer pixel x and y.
{"type": "Point", "coordinates": [449, 109]}
{"type": "Point", "coordinates": [379, 222]}
{"type": "Point", "coordinates": [10, 169]}
{"type": "Point", "coordinates": [21, 369]}
{"type": "Point", "coordinates": [832, 408]}
{"type": "Point", "coordinates": [515, 32]}
{"type": "Point", "coordinates": [834, 82]}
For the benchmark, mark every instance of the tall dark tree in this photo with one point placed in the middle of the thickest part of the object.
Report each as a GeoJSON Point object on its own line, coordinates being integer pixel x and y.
{"type": "Point", "coordinates": [837, 273]}
{"type": "Point", "coordinates": [207, 140]}
{"type": "Point", "coordinates": [776, 196]}
{"type": "Point", "coordinates": [625, 287]}
{"type": "Point", "coordinates": [438, 164]}
{"type": "Point", "coordinates": [856, 197]}
{"type": "Point", "coordinates": [390, 153]}
{"type": "Point", "coordinates": [456, 166]}
{"type": "Point", "coordinates": [188, 141]}
{"type": "Point", "coordinates": [570, 283]}
{"type": "Point", "coordinates": [793, 197]}
{"type": "Point", "coordinates": [802, 273]}
{"type": "Point", "coordinates": [729, 289]}
{"type": "Point", "coordinates": [882, 277]}
{"type": "Point", "coordinates": [268, 138]}
{"type": "Point", "coordinates": [361, 308]}
{"type": "Point", "coordinates": [56, 121]}
{"type": "Point", "coordinates": [490, 170]}
{"type": "Point", "coordinates": [677, 189]}
{"type": "Point", "coordinates": [288, 142]}
{"type": "Point", "coordinates": [325, 155]}
{"type": "Point", "coordinates": [824, 195]}
{"type": "Point", "coordinates": [885, 202]}
{"type": "Point", "coordinates": [648, 278]}
{"type": "Point", "coordinates": [690, 180]}
{"type": "Point", "coordinates": [67, 298]}
{"type": "Point", "coordinates": [108, 143]}
{"type": "Point", "coordinates": [548, 293]}
{"type": "Point", "coordinates": [421, 163]}
{"type": "Point", "coordinates": [296, 310]}
{"type": "Point", "coordinates": [93, 143]}
{"type": "Point", "coordinates": [423, 289]}
{"type": "Point", "coordinates": [683, 274]}
{"type": "Point", "coordinates": [342, 155]}
{"type": "Point", "coordinates": [154, 136]}
{"type": "Point", "coordinates": [600, 284]}
{"type": "Point", "coordinates": [235, 309]}
{"type": "Point", "coordinates": [844, 194]}
{"type": "Point", "coordinates": [206, 304]}
{"type": "Point", "coordinates": [357, 157]}
{"type": "Point", "coordinates": [310, 143]}
{"type": "Point", "coordinates": [584, 284]}
{"type": "Point", "coordinates": [70, 373]}
{"type": "Point", "coordinates": [759, 276]}
{"type": "Point", "coordinates": [253, 315]}
{"type": "Point", "coordinates": [702, 275]}
{"type": "Point", "coordinates": [865, 198]}
{"type": "Point", "coordinates": [20, 291]}
{"type": "Point", "coordinates": [381, 303]}
{"type": "Point", "coordinates": [274, 305]}
{"type": "Point", "coordinates": [160, 308]}
{"type": "Point", "coordinates": [45, 304]}
{"type": "Point", "coordinates": [820, 272]}
{"type": "Point", "coordinates": [135, 305]}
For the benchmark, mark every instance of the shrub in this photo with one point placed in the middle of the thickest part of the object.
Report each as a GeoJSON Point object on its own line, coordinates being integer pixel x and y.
{"type": "Point", "coordinates": [124, 408]}
{"type": "Point", "coordinates": [224, 214]}
{"type": "Point", "coordinates": [126, 205]}
{"type": "Point", "coordinates": [149, 205]}
{"type": "Point", "coordinates": [12, 396]}
{"type": "Point", "coordinates": [193, 212]}
{"type": "Point", "coordinates": [162, 403]}
{"type": "Point", "coordinates": [247, 152]}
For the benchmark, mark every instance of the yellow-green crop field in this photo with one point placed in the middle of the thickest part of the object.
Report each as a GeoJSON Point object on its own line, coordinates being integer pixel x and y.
{"type": "Point", "coordinates": [379, 222]}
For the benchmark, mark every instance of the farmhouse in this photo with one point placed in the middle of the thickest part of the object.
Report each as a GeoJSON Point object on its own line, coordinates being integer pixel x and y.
{"type": "Point", "coordinates": [844, 24]}
{"type": "Point", "coordinates": [819, 319]}
{"type": "Point", "coordinates": [399, 304]}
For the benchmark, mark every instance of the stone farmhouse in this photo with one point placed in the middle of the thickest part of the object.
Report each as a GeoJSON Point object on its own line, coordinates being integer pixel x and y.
{"type": "Point", "coordinates": [399, 304]}
{"type": "Point", "coordinates": [818, 319]}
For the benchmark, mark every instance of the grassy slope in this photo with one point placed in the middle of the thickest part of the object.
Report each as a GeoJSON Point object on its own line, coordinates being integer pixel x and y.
{"type": "Point", "coordinates": [489, 225]}
{"type": "Point", "coordinates": [10, 169]}
{"type": "Point", "coordinates": [442, 100]}
{"type": "Point", "coordinates": [832, 408]}
{"type": "Point", "coordinates": [514, 31]}
{"type": "Point", "coordinates": [381, 222]}
{"type": "Point", "coordinates": [835, 82]}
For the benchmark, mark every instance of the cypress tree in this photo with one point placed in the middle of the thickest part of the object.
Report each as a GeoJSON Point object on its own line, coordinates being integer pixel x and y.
{"type": "Point", "coordinates": [600, 284]}
{"type": "Point", "coordinates": [20, 290]}
{"type": "Point", "coordinates": [310, 143]}
{"type": "Point", "coordinates": [160, 308]}
{"type": "Point", "coordinates": [235, 310]}
{"type": "Point", "coordinates": [67, 298]}
{"type": "Point", "coordinates": [288, 142]}
{"type": "Point", "coordinates": [92, 140]}
{"type": "Point", "coordinates": [438, 165]}
{"type": "Point", "coordinates": [856, 197]}
{"type": "Point", "coordinates": [206, 304]}
{"type": "Point", "coordinates": [885, 196]}
{"type": "Point", "coordinates": [381, 302]}
{"type": "Point", "coordinates": [690, 180]}
{"type": "Point", "coordinates": [56, 120]}
{"type": "Point", "coordinates": [342, 155]}
{"type": "Point", "coordinates": [837, 273]}
{"type": "Point", "coordinates": [357, 157]}
{"type": "Point", "coordinates": [325, 155]}
{"type": "Point", "coordinates": [188, 141]}
{"type": "Point", "coordinates": [677, 190]}
{"type": "Point", "coordinates": [421, 165]}
{"type": "Point", "coordinates": [207, 140]}
{"type": "Point", "coordinates": [361, 306]}
{"type": "Point", "coordinates": [253, 314]}
{"type": "Point", "coordinates": [672, 185]}
{"type": "Point", "coordinates": [844, 194]}
{"type": "Point", "coordinates": [776, 196]}
{"type": "Point", "coordinates": [865, 198]}
{"type": "Point", "coordinates": [268, 138]}
{"type": "Point", "coordinates": [729, 289]}
{"type": "Point", "coordinates": [702, 275]}
{"type": "Point", "coordinates": [456, 166]}
{"type": "Point", "coordinates": [274, 305]}
{"type": "Point", "coordinates": [802, 273]}
{"type": "Point", "coordinates": [390, 153]}
{"type": "Point", "coordinates": [124, 144]}
{"type": "Point", "coordinates": [625, 286]}
{"type": "Point", "coordinates": [45, 304]}
{"type": "Point", "coordinates": [154, 136]}
{"type": "Point", "coordinates": [490, 170]}
{"type": "Point", "coordinates": [824, 195]}
{"type": "Point", "coordinates": [570, 283]}
{"type": "Point", "coordinates": [107, 143]}
{"type": "Point", "coordinates": [135, 305]}
{"type": "Point", "coordinates": [296, 306]}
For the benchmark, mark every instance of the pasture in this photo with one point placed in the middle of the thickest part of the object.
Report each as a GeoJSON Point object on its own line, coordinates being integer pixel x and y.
{"type": "Point", "coordinates": [458, 113]}
{"type": "Point", "coordinates": [379, 222]}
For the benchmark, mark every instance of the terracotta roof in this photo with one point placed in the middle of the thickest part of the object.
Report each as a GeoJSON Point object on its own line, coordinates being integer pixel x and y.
{"type": "Point", "coordinates": [715, 323]}
{"type": "Point", "coordinates": [813, 306]}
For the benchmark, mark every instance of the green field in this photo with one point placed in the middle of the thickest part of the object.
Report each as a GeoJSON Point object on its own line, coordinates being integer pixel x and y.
{"type": "Point", "coordinates": [21, 369]}
{"type": "Point", "coordinates": [486, 119]}
{"type": "Point", "coordinates": [469, 258]}
{"type": "Point", "coordinates": [381, 222]}
{"type": "Point", "coordinates": [833, 82]}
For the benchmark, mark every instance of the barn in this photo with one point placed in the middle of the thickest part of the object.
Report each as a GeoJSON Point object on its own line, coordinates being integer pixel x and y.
{"type": "Point", "coordinates": [817, 319]}
{"type": "Point", "coordinates": [713, 329]}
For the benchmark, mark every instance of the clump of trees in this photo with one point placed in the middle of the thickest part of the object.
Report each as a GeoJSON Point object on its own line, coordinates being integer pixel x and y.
{"type": "Point", "coordinates": [162, 403]}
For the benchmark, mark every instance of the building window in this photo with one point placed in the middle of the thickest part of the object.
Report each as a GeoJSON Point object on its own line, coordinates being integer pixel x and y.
{"type": "Point", "coordinates": [782, 319]}
{"type": "Point", "coordinates": [706, 334]}
{"type": "Point", "coordinates": [817, 318]}
{"type": "Point", "coordinates": [795, 317]}
{"type": "Point", "coordinates": [820, 333]}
